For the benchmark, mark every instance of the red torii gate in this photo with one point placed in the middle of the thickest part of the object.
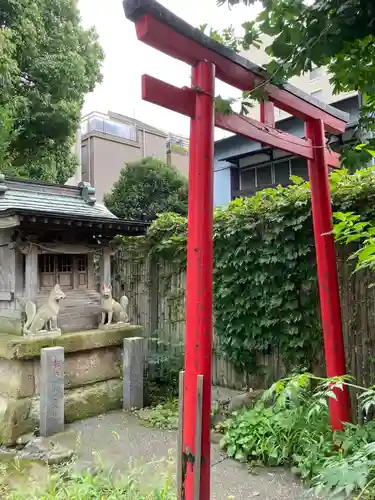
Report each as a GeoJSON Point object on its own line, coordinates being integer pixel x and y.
{"type": "Point", "coordinates": [164, 31]}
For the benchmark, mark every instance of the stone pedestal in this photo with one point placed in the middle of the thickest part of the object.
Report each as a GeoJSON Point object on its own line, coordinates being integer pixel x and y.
{"type": "Point", "coordinates": [92, 377]}
{"type": "Point", "coordinates": [43, 334]}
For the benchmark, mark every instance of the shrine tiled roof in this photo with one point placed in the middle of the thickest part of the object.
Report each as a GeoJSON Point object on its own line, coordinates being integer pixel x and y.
{"type": "Point", "coordinates": [41, 205]}
{"type": "Point", "coordinates": [39, 197]}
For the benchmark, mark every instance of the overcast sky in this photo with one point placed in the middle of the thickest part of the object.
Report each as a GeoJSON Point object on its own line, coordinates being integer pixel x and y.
{"type": "Point", "coordinates": [126, 59]}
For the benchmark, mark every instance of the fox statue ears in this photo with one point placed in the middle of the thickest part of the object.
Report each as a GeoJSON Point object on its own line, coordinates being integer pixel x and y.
{"type": "Point", "coordinates": [106, 287]}
{"type": "Point", "coordinates": [57, 287]}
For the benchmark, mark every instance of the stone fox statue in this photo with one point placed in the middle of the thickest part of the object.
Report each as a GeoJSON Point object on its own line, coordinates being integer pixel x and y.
{"type": "Point", "coordinates": [45, 318]}
{"type": "Point", "coordinates": [115, 312]}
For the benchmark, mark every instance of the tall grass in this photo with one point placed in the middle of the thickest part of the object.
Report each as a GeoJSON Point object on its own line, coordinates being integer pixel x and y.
{"type": "Point", "coordinates": [66, 484]}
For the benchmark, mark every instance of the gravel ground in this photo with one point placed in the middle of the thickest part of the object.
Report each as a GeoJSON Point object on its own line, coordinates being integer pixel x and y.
{"type": "Point", "coordinates": [118, 439]}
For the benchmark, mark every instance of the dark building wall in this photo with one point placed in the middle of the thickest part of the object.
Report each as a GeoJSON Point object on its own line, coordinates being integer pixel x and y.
{"type": "Point", "coordinates": [243, 166]}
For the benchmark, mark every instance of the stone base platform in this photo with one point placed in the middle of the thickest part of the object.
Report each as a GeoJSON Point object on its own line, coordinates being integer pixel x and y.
{"type": "Point", "coordinates": [93, 376]}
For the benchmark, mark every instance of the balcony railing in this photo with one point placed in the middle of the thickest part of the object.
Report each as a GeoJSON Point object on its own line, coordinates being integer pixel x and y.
{"type": "Point", "coordinates": [97, 122]}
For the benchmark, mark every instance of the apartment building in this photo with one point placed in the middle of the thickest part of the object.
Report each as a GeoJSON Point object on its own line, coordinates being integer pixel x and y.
{"type": "Point", "coordinates": [243, 167]}
{"type": "Point", "coordinates": [111, 140]}
{"type": "Point", "coordinates": [178, 153]}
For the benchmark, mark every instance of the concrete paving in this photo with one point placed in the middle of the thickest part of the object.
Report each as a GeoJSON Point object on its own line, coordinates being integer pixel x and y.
{"type": "Point", "coordinates": [118, 439]}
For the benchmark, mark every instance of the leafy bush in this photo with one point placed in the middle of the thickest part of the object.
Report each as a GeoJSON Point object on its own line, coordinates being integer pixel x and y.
{"type": "Point", "coordinates": [291, 430]}
{"type": "Point", "coordinates": [352, 467]}
{"type": "Point", "coordinates": [146, 188]}
{"type": "Point", "coordinates": [161, 416]}
{"type": "Point", "coordinates": [264, 278]}
{"type": "Point", "coordinates": [350, 228]}
{"type": "Point", "coordinates": [290, 426]}
{"type": "Point", "coordinates": [264, 268]}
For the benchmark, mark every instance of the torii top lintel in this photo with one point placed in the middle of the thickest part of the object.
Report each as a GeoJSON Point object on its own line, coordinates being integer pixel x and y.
{"type": "Point", "coordinates": [163, 30]}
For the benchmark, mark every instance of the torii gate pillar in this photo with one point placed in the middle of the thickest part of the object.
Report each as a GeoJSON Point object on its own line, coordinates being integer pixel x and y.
{"type": "Point", "coordinates": [164, 31]}
{"type": "Point", "coordinates": [198, 347]}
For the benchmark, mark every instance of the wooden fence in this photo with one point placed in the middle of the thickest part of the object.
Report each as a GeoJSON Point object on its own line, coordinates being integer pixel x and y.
{"type": "Point", "coordinates": [157, 301]}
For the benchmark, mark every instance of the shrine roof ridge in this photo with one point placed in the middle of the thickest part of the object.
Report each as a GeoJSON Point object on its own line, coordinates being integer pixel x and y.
{"type": "Point", "coordinates": [136, 9]}
{"type": "Point", "coordinates": [42, 197]}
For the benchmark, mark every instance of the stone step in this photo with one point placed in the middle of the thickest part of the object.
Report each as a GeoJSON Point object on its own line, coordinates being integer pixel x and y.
{"type": "Point", "coordinates": [79, 311]}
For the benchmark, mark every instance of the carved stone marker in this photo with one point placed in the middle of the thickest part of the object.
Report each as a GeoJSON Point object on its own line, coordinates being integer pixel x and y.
{"type": "Point", "coordinates": [133, 366]}
{"type": "Point", "coordinates": [51, 390]}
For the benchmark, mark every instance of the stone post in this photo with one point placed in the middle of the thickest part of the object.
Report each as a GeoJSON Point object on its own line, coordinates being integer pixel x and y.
{"type": "Point", "coordinates": [51, 390]}
{"type": "Point", "coordinates": [31, 273]}
{"type": "Point", "coordinates": [105, 267]}
{"type": "Point", "coordinates": [133, 366]}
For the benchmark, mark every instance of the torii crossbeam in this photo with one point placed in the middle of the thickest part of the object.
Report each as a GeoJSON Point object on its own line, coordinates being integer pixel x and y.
{"type": "Point", "coordinates": [161, 29]}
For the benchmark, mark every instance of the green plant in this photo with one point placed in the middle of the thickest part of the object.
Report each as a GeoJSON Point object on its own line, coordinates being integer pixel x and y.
{"type": "Point", "coordinates": [161, 416]}
{"type": "Point", "coordinates": [65, 484]}
{"type": "Point", "coordinates": [48, 63]}
{"type": "Point", "coordinates": [290, 426]}
{"type": "Point", "coordinates": [178, 148]}
{"type": "Point", "coordinates": [264, 278]}
{"type": "Point", "coordinates": [342, 475]}
{"type": "Point", "coordinates": [147, 188]}
{"type": "Point", "coordinates": [350, 228]}
{"type": "Point", "coordinates": [265, 290]}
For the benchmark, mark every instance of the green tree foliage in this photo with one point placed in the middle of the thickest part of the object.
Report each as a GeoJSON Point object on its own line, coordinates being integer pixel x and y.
{"type": "Point", "coordinates": [352, 230]}
{"type": "Point", "coordinates": [290, 426]}
{"type": "Point", "coordinates": [147, 188]}
{"type": "Point", "coordinates": [48, 63]}
{"type": "Point", "coordinates": [338, 35]}
{"type": "Point", "coordinates": [265, 286]}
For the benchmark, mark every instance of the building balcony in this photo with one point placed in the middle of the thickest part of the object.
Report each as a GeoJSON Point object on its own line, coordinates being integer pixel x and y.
{"type": "Point", "coordinates": [99, 122]}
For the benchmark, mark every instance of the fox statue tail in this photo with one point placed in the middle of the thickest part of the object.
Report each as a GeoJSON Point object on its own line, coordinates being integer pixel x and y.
{"type": "Point", "coordinates": [124, 301]}
{"type": "Point", "coordinates": [30, 310]}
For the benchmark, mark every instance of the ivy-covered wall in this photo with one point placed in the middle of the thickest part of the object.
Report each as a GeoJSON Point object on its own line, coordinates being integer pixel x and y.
{"type": "Point", "coordinates": [265, 289]}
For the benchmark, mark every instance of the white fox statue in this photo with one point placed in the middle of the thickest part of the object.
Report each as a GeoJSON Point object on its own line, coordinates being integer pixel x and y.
{"type": "Point", "coordinates": [45, 318]}
{"type": "Point", "coordinates": [112, 311]}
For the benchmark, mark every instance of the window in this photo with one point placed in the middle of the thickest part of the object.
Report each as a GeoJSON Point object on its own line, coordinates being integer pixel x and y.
{"type": "Point", "coordinates": [70, 271]}
{"type": "Point", "coordinates": [248, 179]}
{"type": "Point", "coordinates": [273, 174]}
{"type": "Point", "coordinates": [82, 263]}
{"type": "Point", "coordinates": [65, 263]}
{"type": "Point", "coordinates": [124, 130]}
{"type": "Point", "coordinates": [282, 172]}
{"type": "Point", "coordinates": [81, 278]}
{"type": "Point", "coordinates": [47, 263]}
{"type": "Point", "coordinates": [299, 168]}
{"type": "Point", "coordinates": [256, 178]}
{"type": "Point", "coordinates": [264, 176]}
{"type": "Point", "coordinates": [315, 73]}
{"type": "Point", "coordinates": [317, 93]}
